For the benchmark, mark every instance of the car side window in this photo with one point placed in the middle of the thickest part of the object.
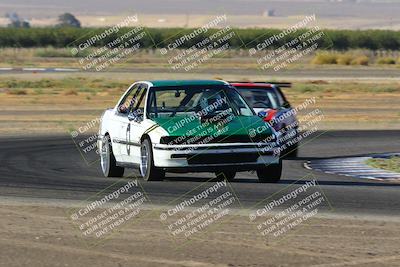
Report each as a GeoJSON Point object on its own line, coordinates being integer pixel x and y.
{"type": "Point", "coordinates": [279, 97]}
{"type": "Point", "coordinates": [129, 100]}
{"type": "Point", "coordinates": [138, 107]}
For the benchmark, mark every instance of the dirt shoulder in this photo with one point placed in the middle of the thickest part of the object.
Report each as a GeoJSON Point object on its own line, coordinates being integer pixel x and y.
{"type": "Point", "coordinates": [43, 235]}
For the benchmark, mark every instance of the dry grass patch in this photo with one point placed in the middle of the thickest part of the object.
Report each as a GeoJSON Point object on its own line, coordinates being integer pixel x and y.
{"type": "Point", "coordinates": [16, 92]}
{"type": "Point", "coordinates": [390, 164]}
{"type": "Point", "coordinates": [70, 92]}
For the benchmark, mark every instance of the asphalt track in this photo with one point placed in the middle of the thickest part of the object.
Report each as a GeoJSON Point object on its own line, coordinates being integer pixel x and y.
{"type": "Point", "coordinates": [51, 168]}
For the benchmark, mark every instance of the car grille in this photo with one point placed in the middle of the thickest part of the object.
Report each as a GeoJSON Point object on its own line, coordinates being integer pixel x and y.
{"type": "Point", "coordinates": [225, 158]}
{"type": "Point", "coordinates": [193, 140]}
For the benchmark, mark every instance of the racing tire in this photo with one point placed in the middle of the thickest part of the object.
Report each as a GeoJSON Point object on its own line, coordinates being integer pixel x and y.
{"type": "Point", "coordinates": [291, 152]}
{"type": "Point", "coordinates": [228, 175]}
{"type": "Point", "coordinates": [147, 169]}
{"type": "Point", "coordinates": [270, 174]}
{"type": "Point", "coordinates": [107, 160]}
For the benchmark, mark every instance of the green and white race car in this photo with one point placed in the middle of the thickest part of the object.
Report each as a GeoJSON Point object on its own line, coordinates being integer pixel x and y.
{"type": "Point", "coordinates": [186, 126]}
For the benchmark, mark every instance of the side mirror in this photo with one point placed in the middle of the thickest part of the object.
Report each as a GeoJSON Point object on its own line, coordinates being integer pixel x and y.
{"type": "Point", "coordinates": [286, 105]}
{"type": "Point", "coordinates": [132, 116]}
{"type": "Point", "coordinates": [135, 116]}
{"type": "Point", "coordinates": [122, 109]}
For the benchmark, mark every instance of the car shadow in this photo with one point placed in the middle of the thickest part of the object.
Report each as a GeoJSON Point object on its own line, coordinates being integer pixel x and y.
{"type": "Point", "coordinates": [286, 181]}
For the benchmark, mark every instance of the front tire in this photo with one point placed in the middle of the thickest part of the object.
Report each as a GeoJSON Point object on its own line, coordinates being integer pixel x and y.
{"type": "Point", "coordinates": [147, 169]}
{"type": "Point", "coordinates": [271, 173]}
{"type": "Point", "coordinates": [291, 152]}
{"type": "Point", "coordinates": [107, 160]}
{"type": "Point", "coordinates": [294, 152]}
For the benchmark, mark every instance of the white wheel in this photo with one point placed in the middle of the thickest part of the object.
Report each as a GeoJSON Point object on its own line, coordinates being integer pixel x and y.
{"type": "Point", "coordinates": [104, 156]}
{"type": "Point", "coordinates": [144, 160]}
{"type": "Point", "coordinates": [147, 169]}
{"type": "Point", "coordinates": [107, 160]}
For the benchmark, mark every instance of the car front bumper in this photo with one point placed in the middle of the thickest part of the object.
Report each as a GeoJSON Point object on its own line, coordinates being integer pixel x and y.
{"type": "Point", "coordinates": [214, 157]}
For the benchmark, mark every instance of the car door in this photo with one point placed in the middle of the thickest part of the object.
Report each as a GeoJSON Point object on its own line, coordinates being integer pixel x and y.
{"type": "Point", "coordinates": [122, 123]}
{"type": "Point", "coordinates": [136, 127]}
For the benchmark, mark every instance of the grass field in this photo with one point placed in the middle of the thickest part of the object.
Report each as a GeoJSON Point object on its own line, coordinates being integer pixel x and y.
{"type": "Point", "coordinates": [29, 104]}
{"type": "Point", "coordinates": [390, 164]}
{"type": "Point", "coordinates": [233, 58]}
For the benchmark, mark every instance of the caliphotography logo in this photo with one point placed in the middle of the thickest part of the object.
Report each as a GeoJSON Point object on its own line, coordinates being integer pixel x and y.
{"type": "Point", "coordinates": [286, 211]}
{"type": "Point", "coordinates": [85, 138]}
{"type": "Point", "coordinates": [108, 211]}
{"type": "Point", "coordinates": [278, 51]}
{"type": "Point", "coordinates": [187, 51]}
{"type": "Point", "coordinates": [203, 209]}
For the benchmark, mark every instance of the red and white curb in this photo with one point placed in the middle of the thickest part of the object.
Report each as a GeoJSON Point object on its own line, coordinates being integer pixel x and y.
{"type": "Point", "coordinates": [354, 167]}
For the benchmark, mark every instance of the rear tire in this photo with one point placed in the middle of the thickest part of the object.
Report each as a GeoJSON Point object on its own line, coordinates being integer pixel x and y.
{"type": "Point", "coordinates": [228, 175]}
{"type": "Point", "coordinates": [271, 173]}
{"type": "Point", "coordinates": [147, 169]}
{"type": "Point", "coordinates": [107, 160]}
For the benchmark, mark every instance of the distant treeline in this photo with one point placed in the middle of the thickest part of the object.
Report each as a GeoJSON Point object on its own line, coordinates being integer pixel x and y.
{"type": "Point", "coordinates": [243, 38]}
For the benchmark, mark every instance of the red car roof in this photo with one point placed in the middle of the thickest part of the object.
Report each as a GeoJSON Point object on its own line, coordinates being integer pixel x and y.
{"type": "Point", "coordinates": [261, 85]}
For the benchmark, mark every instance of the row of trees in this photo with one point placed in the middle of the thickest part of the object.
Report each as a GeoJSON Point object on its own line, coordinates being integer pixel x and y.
{"type": "Point", "coordinates": [64, 20]}
{"type": "Point", "coordinates": [244, 38]}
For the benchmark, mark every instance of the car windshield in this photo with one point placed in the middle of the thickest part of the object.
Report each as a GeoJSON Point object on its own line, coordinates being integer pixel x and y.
{"type": "Point", "coordinates": [260, 97]}
{"type": "Point", "coordinates": [196, 100]}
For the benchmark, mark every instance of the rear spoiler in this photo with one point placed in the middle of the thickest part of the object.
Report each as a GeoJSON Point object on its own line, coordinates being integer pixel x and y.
{"type": "Point", "coordinates": [279, 84]}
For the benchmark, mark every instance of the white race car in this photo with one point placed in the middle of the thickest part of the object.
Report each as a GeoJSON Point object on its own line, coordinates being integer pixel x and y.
{"type": "Point", "coordinates": [186, 126]}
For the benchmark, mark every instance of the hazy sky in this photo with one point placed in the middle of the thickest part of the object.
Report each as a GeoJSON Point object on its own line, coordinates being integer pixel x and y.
{"type": "Point", "coordinates": [48, 8]}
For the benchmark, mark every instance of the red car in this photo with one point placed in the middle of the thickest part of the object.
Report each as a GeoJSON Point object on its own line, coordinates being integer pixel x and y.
{"type": "Point", "coordinates": [268, 101]}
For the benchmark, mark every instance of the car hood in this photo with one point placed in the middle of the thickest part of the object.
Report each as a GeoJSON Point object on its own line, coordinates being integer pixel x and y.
{"type": "Point", "coordinates": [192, 126]}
